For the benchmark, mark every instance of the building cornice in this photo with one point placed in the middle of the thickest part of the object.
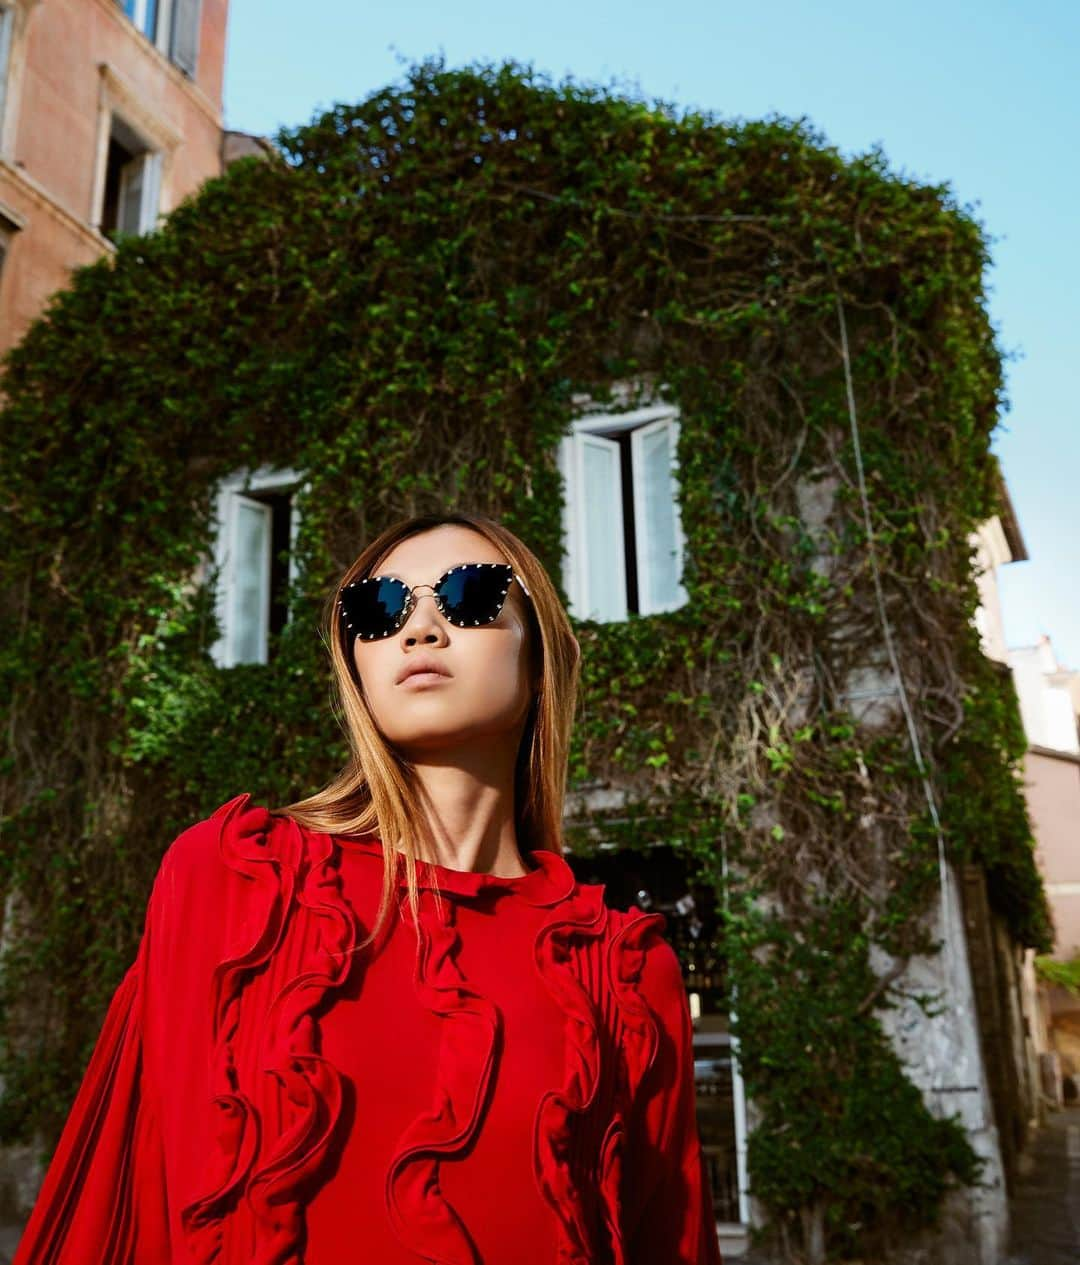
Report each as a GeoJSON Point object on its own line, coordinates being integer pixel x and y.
{"type": "Point", "coordinates": [1052, 753]}
{"type": "Point", "coordinates": [1009, 522]}
{"type": "Point", "coordinates": [42, 198]}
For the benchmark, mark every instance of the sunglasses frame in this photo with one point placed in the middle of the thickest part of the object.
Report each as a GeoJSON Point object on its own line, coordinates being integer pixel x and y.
{"type": "Point", "coordinates": [410, 599]}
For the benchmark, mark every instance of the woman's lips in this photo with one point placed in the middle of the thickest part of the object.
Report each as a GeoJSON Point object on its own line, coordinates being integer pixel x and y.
{"type": "Point", "coordinates": [424, 678]}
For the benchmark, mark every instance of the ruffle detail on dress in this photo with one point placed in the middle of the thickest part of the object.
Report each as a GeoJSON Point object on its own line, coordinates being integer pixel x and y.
{"type": "Point", "coordinates": [582, 919]}
{"type": "Point", "coordinates": [420, 1213]}
{"type": "Point", "coordinates": [612, 1150]}
{"type": "Point", "coordinates": [274, 859]}
{"type": "Point", "coordinates": [243, 844]}
{"type": "Point", "coordinates": [640, 1027]}
{"type": "Point", "coordinates": [639, 1042]}
{"type": "Point", "coordinates": [281, 1184]}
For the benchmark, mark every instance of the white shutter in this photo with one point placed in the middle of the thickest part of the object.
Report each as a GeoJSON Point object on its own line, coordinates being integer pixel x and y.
{"type": "Point", "coordinates": [248, 579]}
{"type": "Point", "coordinates": [151, 192]}
{"type": "Point", "coordinates": [656, 516]}
{"type": "Point", "coordinates": [139, 194]}
{"type": "Point", "coordinates": [129, 210]}
{"type": "Point", "coordinates": [184, 44]}
{"type": "Point", "coordinates": [601, 533]}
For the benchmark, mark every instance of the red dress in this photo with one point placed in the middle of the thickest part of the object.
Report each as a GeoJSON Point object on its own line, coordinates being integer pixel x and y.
{"type": "Point", "coordinates": [513, 1087]}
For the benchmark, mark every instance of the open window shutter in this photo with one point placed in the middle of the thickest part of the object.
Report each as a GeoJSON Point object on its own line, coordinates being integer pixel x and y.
{"type": "Point", "coordinates": [656, 516]}
{"type": "Point", "coordinates": [184, 45]}
{"type": "Point", "coordinates": [249, 581]}
{"type": "Point", "coordinates": [130, 204]}
{"type": "Point", "coordinates": [151, 193]}
{"type": "Point", "coordinates": [601, 533]}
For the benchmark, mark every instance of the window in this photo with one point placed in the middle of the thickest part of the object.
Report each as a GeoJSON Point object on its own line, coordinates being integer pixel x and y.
{"type": "Point", "coordinates": [255, 562]}
{"type": "Point", "coordinates": [172, 25]}
{"type": "Point", "coordinates": [621, 526]}
{"type": "Point", "coordinates": [144, 13]}
{"type": "Point", "coordinates": [10, 224]}
{"type": "Point", "coordinates": [132, 183]}
{"type": "Point", "coordinates": [7, 23]}
{"type": "Point", "coordinates": [721, 1112]}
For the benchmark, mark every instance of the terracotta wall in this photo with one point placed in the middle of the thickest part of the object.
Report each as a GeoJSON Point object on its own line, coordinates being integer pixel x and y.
{"type": "Point", "coordinates": [70, 62]}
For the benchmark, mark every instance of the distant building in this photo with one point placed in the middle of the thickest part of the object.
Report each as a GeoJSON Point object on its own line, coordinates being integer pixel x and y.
{"type": "Point", "coordinates": [1049, 698]}
{"type": "Point", "coordinates": [110, 114]}
{"type": "Point", "coordinates": [1050, 705]}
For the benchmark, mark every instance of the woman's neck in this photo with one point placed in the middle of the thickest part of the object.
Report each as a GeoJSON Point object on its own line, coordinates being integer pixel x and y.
{"type": "Point", "coordinates": [468, 797]}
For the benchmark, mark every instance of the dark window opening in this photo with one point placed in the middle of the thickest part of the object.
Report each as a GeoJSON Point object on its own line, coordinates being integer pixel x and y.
{"type": "Point", "coordinates": [5, 246]}
{"type": "Point", "coordinates": [629, 533]}
{"type": "Point", "coordinates": [657, 879]}
{"type": "Point", "coordinates": [629, 528]}
{"type": "Point", "coordinates": [280, 503]}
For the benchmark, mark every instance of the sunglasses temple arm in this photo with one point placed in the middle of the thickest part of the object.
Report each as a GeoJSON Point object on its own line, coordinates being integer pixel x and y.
{"type": "Point", "coordinates": [523, 584]}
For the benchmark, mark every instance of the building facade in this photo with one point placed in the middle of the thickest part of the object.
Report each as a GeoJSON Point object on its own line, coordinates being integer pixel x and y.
{"type": "Point", "coordinates": [110, 114]}
{"type": "Point", "coordinates": [1050, 706]}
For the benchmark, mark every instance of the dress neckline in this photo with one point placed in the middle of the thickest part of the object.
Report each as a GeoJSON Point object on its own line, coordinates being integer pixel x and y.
{"type": "Point", "coordinates": [549, 880]}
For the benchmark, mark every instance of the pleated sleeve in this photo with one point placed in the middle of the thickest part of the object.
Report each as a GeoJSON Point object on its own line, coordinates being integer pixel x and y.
{"type": "Point", "coordinates": [673, 1213]}
{"type": "Point", "coordinates": [102, 1201]}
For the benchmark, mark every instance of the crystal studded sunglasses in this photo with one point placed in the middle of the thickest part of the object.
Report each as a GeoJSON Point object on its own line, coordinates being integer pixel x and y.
{"type": "Point", "coordinates": [467, 595]}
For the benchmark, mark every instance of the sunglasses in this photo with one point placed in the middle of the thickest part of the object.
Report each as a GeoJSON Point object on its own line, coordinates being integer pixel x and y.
{"type": "Point", "coordinates": [467, 595]}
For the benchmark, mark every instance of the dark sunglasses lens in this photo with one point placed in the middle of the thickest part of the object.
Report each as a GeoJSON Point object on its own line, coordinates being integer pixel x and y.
{"type": "Point", "coordinates": [474, 594]}
{"type": "Point", "coordinates": [372, 607]}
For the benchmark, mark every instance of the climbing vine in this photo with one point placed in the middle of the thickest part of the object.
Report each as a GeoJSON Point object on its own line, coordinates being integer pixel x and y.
{"type": "Point", "coordinates": [408, 305]}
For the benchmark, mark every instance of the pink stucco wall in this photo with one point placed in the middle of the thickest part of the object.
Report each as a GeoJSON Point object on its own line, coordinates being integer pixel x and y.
{"type": "Point", "coordinates": [1053, 796]}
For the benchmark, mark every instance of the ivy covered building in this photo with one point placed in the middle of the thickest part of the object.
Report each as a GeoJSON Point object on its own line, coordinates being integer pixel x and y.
{"type": "Point", "coordinates": [738, 393]}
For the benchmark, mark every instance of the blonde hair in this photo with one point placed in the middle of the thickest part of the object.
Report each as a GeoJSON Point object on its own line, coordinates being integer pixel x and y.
{"type": "Point", "coordinates": [374, 795]}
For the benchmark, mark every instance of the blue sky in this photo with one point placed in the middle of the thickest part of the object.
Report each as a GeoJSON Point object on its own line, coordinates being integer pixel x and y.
{"type": "Point", "coordinates": [985, 96]}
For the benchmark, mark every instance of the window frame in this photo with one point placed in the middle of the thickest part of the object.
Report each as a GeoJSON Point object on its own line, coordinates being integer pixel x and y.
{"type": "Point", "coordinates": [120, 98]}
{"type": "Point", "coordinates": [570, 462]}
{"type": "Point", "coordinates": [233, 493]}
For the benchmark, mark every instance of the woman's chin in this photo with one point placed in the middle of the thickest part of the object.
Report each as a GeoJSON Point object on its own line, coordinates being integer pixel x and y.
{"type": "Point", "coordinates": [428, 740]}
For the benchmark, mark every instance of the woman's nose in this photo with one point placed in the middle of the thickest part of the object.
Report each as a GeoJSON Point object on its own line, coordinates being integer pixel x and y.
{"type": "Point", "coordinates": [423, 618]}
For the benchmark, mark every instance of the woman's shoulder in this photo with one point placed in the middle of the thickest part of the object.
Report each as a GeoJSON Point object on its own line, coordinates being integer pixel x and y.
{"type": "Point", "coordinates": [635, 937]}
{"type": "Point", "coordinates": [645, 958]}
{"type": "Point", "coordinates": [237, 831]}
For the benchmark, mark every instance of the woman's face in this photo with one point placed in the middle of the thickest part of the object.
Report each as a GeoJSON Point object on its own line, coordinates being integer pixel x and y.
{"type": "Point", "coordinates": [486, 689]}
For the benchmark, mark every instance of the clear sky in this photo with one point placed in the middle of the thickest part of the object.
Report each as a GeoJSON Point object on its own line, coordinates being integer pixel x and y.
{"type": "Point", "coordinates": [983, 95]}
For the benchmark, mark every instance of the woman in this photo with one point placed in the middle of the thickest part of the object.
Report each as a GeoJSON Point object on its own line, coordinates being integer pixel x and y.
{"type": "Point", "coordinates": [385, 1024]}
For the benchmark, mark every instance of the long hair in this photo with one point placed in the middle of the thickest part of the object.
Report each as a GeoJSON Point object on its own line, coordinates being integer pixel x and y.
{"type": "Point", "coordinates": [375, 794]}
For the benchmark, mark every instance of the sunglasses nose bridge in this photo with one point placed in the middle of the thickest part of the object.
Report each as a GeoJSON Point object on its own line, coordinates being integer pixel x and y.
{"type": "Point", "coordinates": [412, 599]}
